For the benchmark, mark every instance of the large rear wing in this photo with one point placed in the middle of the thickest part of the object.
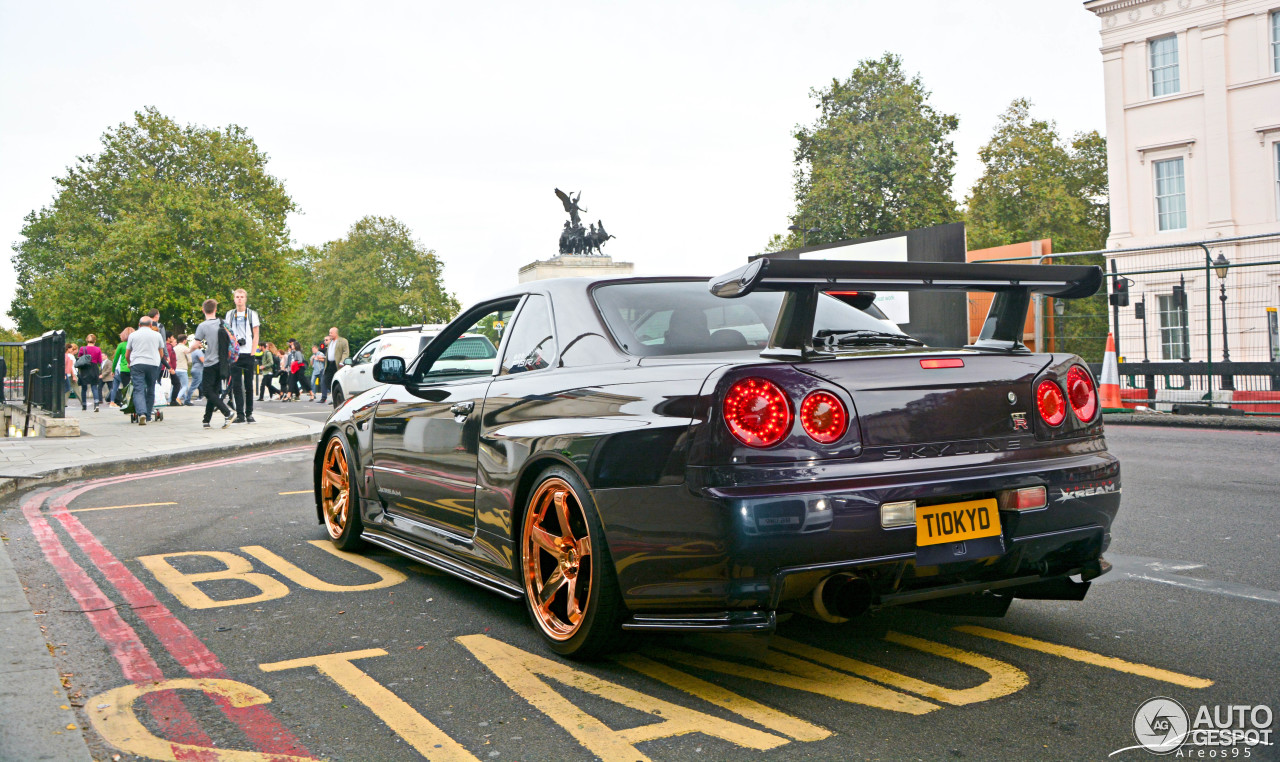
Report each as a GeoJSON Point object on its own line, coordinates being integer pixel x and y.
{"type": "Point", "coordinates": [803, 279]}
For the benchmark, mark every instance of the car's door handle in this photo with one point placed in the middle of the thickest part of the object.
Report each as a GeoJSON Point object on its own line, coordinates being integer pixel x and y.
{"type": "Point", "coordinates": [463, 408]}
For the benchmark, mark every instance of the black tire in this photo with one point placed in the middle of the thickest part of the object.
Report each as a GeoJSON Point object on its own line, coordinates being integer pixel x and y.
{"type": "Point", "coordinates": [597, 632]}
{"type": "Point", "coordinates": [337, 397]}
{"type": "Point", "coordinates": [344, 528]}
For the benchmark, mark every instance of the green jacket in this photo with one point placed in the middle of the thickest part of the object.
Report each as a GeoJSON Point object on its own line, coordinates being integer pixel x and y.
{"type": "Point", "coordinates": [119, 361]}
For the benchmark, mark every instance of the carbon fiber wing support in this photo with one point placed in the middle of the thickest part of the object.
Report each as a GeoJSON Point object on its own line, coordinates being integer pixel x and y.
{"type": "Point", "coordinates": [803, 279]}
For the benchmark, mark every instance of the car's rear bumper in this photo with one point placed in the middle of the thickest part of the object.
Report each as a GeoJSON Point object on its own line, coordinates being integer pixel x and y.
{"type": "Point", "coordinates": [706, 549]}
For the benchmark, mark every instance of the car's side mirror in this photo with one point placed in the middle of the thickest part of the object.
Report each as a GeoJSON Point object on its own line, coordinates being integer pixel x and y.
{"type": "Point", "coordinates": [390, 370]}
{"type": "Point", "coordinates": [347, 361]}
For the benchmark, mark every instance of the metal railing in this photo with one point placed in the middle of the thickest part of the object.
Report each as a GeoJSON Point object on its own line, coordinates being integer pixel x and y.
{"type": "Point", "coordinates": [1208, 305]}
{"type": "Point", "coordinates": [11, 380]}
{"type": "Point", "coordinates": [43, 372]}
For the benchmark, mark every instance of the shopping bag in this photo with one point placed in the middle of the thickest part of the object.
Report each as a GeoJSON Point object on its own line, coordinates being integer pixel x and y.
{"type": "Point", "coordinates": [164, 390]}
{"type": "Point", "coordinates": [126, 404]}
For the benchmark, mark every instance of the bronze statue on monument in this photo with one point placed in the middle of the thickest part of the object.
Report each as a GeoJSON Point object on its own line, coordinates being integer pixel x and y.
{"type": "Point", "coordinates": [574, 238]}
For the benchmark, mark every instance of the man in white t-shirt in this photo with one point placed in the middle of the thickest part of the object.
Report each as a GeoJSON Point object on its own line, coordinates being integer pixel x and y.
{"type": "Point", "coordinates": [143, 353]}
{"type": "Point", "coordinates": [244, 324]}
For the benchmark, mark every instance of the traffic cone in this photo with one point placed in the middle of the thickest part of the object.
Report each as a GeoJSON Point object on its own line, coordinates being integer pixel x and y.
{"type": "Point", "coordinates": [1110, 386]}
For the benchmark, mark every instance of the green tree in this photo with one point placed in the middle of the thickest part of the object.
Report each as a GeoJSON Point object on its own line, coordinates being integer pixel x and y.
{"type": "Point", "coordinates": [1036, 186]}
{"type": "Point", "coordinates": [378, 275]}
{"type": "Point", "coordinates": [163, 217]}
{"type": "Point", "coordinates": [878, 159]}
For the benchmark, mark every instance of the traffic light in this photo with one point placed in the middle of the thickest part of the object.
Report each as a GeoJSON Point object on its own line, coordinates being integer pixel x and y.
{"type": "Point", "coordinates": [1119, 292]}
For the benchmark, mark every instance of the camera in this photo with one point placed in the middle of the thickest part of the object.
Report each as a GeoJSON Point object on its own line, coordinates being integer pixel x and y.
{"type": "Point", "coordinates": [240, 342]}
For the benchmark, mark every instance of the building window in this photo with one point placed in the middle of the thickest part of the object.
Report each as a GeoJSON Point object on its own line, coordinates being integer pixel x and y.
{"type": "Point", "coordinates": [1173, 327]}
{"type": "Point", "coordinates": [1276, 147]}
{"type": "Point", "coordinates": [1164, 66]}
{"type": "Point", "coordinates": [1171, 195]}
{"type": "Point", "coordinates": [1275, 42]}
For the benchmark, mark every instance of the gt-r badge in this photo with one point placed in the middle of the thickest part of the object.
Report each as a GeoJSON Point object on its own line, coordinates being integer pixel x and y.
{"type": "Point", "coordinates": [1019, 420]}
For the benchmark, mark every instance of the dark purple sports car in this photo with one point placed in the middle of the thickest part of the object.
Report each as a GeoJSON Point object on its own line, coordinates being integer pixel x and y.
{"type": "Point", "coordinates": [689, 455]}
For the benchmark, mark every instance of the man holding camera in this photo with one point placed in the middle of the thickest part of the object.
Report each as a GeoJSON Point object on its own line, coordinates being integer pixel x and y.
{"type": "Point", "coordinates": [244, 325]}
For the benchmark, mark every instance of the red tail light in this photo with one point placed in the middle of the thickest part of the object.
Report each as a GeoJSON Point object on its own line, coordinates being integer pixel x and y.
{"type": "Point", "coordinates": [1080, 391]}
{"type": "Point", "coordinates": [757, 412]}
{"type": "Point", "coordinates": [944, 362]}
{"type": "Point", "coordinates": [824, 417]}
{"type": "Point", "coordinates": [1053, 408]}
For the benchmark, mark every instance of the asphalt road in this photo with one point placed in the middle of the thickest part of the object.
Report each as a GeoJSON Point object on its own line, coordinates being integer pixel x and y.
{"type": "Point", "coordinates": [420, 665]}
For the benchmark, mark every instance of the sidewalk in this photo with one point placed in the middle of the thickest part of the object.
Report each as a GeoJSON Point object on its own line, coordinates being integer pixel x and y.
{"type": "Point", "coordinates": [109, 444]}
{"type": "Point", "coordinates": [36, 721]}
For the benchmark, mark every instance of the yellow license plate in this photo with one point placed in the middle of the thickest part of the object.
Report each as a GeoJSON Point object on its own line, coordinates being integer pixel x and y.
{"type": "Point", "coordinates": [955, 522]}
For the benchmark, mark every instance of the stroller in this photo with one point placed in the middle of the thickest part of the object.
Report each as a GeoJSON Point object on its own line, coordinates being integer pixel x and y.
{"type": "Point", "coordinates": [126, 404]}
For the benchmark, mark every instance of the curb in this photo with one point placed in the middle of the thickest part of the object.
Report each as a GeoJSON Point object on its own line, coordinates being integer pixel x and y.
{"type": "Point", "coordinates": [1238, 423]}
{"type": "Point", "coordinates": [10, 485]}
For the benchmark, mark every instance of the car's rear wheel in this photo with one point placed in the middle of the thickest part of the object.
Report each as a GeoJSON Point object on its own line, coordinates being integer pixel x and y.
{"type": "Point", "coordinates": [339, 500]}
{"type": "Point", "coordinates": [571, 589]}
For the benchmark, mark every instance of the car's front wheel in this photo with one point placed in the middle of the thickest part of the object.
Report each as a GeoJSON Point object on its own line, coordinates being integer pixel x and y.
{"type": "Point", "coordinates": [571, 589]}
{"type": "Point", "coordinates": [337, 397]}
{"type": "Point", "coordinates": [339, 499]}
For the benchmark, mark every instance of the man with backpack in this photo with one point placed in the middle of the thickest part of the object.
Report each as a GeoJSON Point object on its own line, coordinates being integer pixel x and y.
{"type": "Point", "coordinates": [213, 336]}
{"type": "Point", "coordinates": [244, 325]}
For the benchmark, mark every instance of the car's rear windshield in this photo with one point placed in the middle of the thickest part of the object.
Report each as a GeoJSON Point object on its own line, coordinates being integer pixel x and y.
{"type": "Point", "coordinates": [683, 317]}
{"type": "Point", "coordinates": [470, 348]}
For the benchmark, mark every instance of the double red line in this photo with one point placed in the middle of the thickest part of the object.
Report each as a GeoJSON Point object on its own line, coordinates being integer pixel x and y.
{"type": "Point", "coordinates": [176, 723]}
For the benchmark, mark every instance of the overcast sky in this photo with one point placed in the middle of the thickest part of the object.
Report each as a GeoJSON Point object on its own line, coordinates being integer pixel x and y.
{"type": "Point", "coordinates": [673, 118]}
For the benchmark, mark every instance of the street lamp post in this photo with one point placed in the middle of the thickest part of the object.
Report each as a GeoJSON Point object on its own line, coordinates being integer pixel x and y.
{"type": "Point", "coordinates": [1220, 267]}
{"type": "Point", "coordinates": [804, 233]}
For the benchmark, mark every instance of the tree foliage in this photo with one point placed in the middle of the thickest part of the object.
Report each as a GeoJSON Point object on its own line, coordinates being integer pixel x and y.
{"type": "Point", "coordinates": [878, 159]}
{"type": "Point", "coordinates": [163, 217]}
{"type": "Point", "coordinates": [1036, 186]}
{"type": "Point", "coordinates": [378, 275]}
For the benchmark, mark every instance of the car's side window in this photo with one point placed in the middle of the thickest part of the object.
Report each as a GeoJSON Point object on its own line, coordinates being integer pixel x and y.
{"type": "Point", "coordinates": [531, 344]}
{"type": "Point", "coordinates": [475, 351]}
{"type": "Point", "coordinates": [365, 353]}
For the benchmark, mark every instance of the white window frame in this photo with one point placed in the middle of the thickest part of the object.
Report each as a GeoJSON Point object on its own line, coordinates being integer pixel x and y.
{"type": "Point", "coordinates": [1153, 70]}
{"type": "Point", "coordinates": [1275, 41]}
{"type": "Point", "coordinates": [1175, 330]}
{"type": "Point", "coordinates": [1275, 155]}
{"type": "Point", "coordinates": [1156, 196]}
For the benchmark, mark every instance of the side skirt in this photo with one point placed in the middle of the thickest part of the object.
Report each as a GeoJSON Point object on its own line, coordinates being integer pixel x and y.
{"type": "Point", "coordinates": [460, 569]}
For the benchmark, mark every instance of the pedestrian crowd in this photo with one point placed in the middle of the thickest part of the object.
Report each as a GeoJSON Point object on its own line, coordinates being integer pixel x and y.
{"type": "Point", "coordinates": [223, 362]}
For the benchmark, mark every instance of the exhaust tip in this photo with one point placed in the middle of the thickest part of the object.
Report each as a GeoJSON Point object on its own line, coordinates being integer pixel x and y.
{"type": "Point", "coordinates": [842, 597]}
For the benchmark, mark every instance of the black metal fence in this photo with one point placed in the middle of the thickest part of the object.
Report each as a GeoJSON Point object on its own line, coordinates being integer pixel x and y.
{"type": "Point", "coordinates": [35, 372]}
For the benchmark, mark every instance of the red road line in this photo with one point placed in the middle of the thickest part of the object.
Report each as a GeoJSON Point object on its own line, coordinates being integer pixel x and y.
{"type": "Point", "coordinates": [122, 641]}
{"type": "Point", "coordinates": [256, 722]}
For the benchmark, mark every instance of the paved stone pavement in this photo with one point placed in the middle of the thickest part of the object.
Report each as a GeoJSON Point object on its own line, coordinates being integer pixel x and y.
{"type": "Point", "coordinates": [108, 443]}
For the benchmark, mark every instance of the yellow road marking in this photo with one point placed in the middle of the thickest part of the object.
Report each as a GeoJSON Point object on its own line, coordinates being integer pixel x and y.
{"type": "Point", "coordinates": [298, 492]}
{"type": "Point", "coordinates": [113, 507]}
{"type": "Point", "coordinates": [752, 710]}
{"type": "Point", "coordinates": [183, 586]}
{"type": "Point", "coordinates": [112, 715]}
{"type": "Point", "coordinates": [790, 672]}
{"type": "Point", "coordinates": [1004, 678]}
{"type": "Point", "coordinates": [1076, 654]}
{"type": "Point", "coordinates": [419, 732]}
{"type": "Point", "coordinates": [521, 671]}
{"type": "Point", "coordinates": [386, 575]}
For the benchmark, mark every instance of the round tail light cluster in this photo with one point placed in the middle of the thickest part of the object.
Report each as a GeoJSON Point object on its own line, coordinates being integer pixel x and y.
{"type": "Point", "coordinates": [1081, 394]}
{"type": "Point", "coordinates": [757, 412]}
{"type": "Point", "coordinates": [824, 417]}
{"type": "Point", "coordinates": [1049, 400]}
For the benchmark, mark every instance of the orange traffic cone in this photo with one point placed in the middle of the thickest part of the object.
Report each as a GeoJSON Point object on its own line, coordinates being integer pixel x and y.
{"type": "Point", "coordinates": [1110, 386]}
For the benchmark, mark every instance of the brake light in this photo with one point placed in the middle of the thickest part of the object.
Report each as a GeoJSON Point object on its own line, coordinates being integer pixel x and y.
{"type": "Point", "coordinates": [824, 417]}
{"type": "Point", "coordinates": [944, 362]}
{"type": "Point", "coordinates": [757, 412]}
{"type": "Point", "coordinates": [1053, 408]}
{"type": "Point", "coordinates": [1080, 391]}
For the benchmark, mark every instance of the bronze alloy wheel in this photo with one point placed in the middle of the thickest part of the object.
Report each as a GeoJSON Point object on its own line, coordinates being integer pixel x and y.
{"type": "Point", "coordinates": [557, 559]}
{"type": "Point", "coordinates": [335, 488]}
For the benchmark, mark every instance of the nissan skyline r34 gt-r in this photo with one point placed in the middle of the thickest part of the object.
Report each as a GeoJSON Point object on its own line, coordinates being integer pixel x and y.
{"type": "Point", "coordinates": [689, 455]}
